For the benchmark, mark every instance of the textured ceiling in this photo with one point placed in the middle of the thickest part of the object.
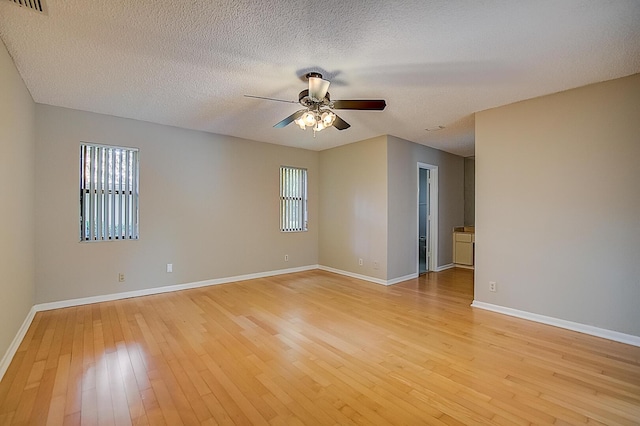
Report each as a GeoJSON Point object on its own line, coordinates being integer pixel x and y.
{"type": "Point", "coordinates": [189, 63]}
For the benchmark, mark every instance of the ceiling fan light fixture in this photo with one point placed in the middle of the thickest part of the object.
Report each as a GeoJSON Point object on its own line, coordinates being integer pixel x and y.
{"type": "Point", "coordinates": [309, 118]}
{"type": "Point", "coordinates": [300, 122]}
{"type": "Point", "coordinates": [328, 117]}
{"type": "Point", "coordinates": [317, 106]}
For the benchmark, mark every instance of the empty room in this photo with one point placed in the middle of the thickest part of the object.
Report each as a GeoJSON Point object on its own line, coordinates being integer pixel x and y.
{"type": "Point", "coordinates": [325, 213]}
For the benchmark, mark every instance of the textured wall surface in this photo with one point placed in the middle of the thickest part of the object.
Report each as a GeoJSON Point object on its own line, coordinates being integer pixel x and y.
{"type": "Point", "coordinates": [368, 207]}
{"type": "Point", "coordinates": [209, 204]}
{"type": "Point", "coordinates": [353, 212]}
{"type": "Point", "coordinates": [403, 168]}
{"type": "Point", "coordinates": [558, 205]}
{"type": "Point", "coordinates": [469, 191]}
{"type": "Point", "coordinates": [17, 237]}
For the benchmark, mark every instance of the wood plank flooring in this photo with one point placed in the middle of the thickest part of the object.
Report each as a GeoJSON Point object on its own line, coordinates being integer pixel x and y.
{"type": "Point", "coordinates": [314, 348]}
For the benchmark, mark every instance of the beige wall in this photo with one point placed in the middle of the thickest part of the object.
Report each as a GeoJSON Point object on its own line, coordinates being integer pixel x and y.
{"type": "Point", "coordinates": [208, 205]}
{"type": "Point", "coordinates": [353, 211]}
{"type": "Point", "coordinates": [403, 158]}
{"type": "Point", "coordinates": [558, 205]}
{"type": "Point", "coordinates": [17, 238]}
{"type": "Point", "coordinates": [368, 206]}
{"type": "Point", "coordinates": [469, 191]}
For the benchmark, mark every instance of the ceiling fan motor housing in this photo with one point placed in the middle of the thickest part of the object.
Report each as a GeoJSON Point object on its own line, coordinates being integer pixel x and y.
{"type": "Point", "coordinates": [308, 102]}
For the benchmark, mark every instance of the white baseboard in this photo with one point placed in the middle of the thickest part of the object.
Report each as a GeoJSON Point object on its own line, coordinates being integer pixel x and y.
{"type": "Point", "coordinates": [582, 328]}
{"type": "Point", "coordinates": [401, 279]}
{"type": "Point", "coordinates": [15, 344]}
{"type": "Point", "coordinates": [457, 265]}
{"type": "Point", "coordinates": [556, 322]}
{"type": "Point", "coordinates": [165, 289]}
{"type": "Point", "coordinates": [368, 278]}
{"type": "Point", "coordinates": [444, 267]}
{"type": "Point", "coordinates": [353, 275]}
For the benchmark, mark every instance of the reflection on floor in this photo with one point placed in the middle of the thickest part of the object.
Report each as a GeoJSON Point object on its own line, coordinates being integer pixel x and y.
{"type": "Point", "coordinates": [314, 347]}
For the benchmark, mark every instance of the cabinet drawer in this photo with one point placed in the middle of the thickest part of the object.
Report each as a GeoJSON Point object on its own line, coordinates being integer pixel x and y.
{"type": "Point", "coordinates": [466, 238]}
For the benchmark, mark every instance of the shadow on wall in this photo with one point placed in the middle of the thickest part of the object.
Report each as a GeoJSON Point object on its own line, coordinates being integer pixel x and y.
{"type": "Point", "coordinates": [470, 191]}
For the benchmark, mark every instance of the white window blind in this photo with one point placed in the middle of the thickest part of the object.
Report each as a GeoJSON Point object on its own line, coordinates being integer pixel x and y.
{"type": "Point", "coordinates": [108, 193]}
{"type": "Point", "coordinates": [293, 199]}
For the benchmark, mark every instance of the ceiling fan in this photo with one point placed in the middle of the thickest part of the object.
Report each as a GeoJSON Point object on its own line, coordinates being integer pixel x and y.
{"type": "Point", "coordinates": [317, 112]}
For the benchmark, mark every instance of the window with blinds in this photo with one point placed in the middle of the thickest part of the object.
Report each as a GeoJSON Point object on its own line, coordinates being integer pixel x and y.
{"type": "Point", "coordinates": [293, 199]}
{"type": "Point", "coordinates": [108, 193]}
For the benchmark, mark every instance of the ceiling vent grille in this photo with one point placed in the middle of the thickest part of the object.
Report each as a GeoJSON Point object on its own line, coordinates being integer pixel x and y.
{"type": "Point", "coordinates": [35, 5]}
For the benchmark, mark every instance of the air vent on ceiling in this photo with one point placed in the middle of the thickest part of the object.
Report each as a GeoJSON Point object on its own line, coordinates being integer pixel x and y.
{"type": "Point", "coordinates": [35, 5]}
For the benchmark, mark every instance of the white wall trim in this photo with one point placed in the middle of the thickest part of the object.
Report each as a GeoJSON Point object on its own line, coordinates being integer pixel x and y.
{"type": "Point", "coordinates": [165, 289]}
{"type": "Point", "coordinates": [15, 344]}
{"type": "Point", "coordinates": [353, 275]}
{"type": "Point", "coordinates": [368, 278]}
{"type": "Point", "coordinates": [401, 279]}
{"type": "Point", "coordinates": [444, 267]}
{"type": "Point", "coordinates": [569, 325]}
{"type": "Point", "coordinates": [433, 207]}
{"type": "Point", "coordinates": [457, 265]}
{"type": "Point", "coordinates": [557, 322]}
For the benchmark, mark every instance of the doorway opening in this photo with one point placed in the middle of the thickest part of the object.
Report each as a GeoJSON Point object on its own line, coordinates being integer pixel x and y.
{"type": "Point", "coordinates": [427, 203]}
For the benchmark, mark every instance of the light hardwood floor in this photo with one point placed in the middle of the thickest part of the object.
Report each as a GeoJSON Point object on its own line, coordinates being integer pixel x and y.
{"type": "Point", "coordinates": [314, 348]}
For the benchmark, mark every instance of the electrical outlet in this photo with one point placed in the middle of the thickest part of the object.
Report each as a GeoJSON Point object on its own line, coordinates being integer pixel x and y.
{"type": "Point", "coordinates": [493, 286]}
{"type": "Point", "coordinates": [121, 277]}
{"type": "Point", "coordinates": [169, 267]}
{"type": "Point", "coordinates": [286, 257]}
{"type": "Point", "coordinates": [360, 262]}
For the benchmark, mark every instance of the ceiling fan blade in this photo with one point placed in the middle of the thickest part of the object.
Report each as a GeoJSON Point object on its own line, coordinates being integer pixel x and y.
{"type": "Point", "coordinates": [318, 88]}
{"type": "Point", "coordinates": [366, 104]}
{"type": "Point", "coordinates": [290, 119]}
{"type": "Point", "coordinates": [270, 99]}
{"type": "Point", "coordinates": [340, 124]}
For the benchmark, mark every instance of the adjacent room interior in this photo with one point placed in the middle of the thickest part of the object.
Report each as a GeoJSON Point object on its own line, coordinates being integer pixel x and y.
{"type": "Point", "coordinates": [467, 252]}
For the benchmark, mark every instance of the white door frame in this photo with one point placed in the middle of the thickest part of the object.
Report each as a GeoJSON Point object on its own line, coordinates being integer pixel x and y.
{"type": "Point", "coordinates": [433, 213]}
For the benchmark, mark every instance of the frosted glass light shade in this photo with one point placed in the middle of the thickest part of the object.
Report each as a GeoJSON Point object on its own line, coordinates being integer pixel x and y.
{"type": "Point", "coordinates": [327, 118]}
{"type": "Point", "coordinates": [309, 118]}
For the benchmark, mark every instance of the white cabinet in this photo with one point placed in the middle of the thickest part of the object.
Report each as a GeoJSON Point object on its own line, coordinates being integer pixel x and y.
{"type": "Point", "coordinates": [463, 245]}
